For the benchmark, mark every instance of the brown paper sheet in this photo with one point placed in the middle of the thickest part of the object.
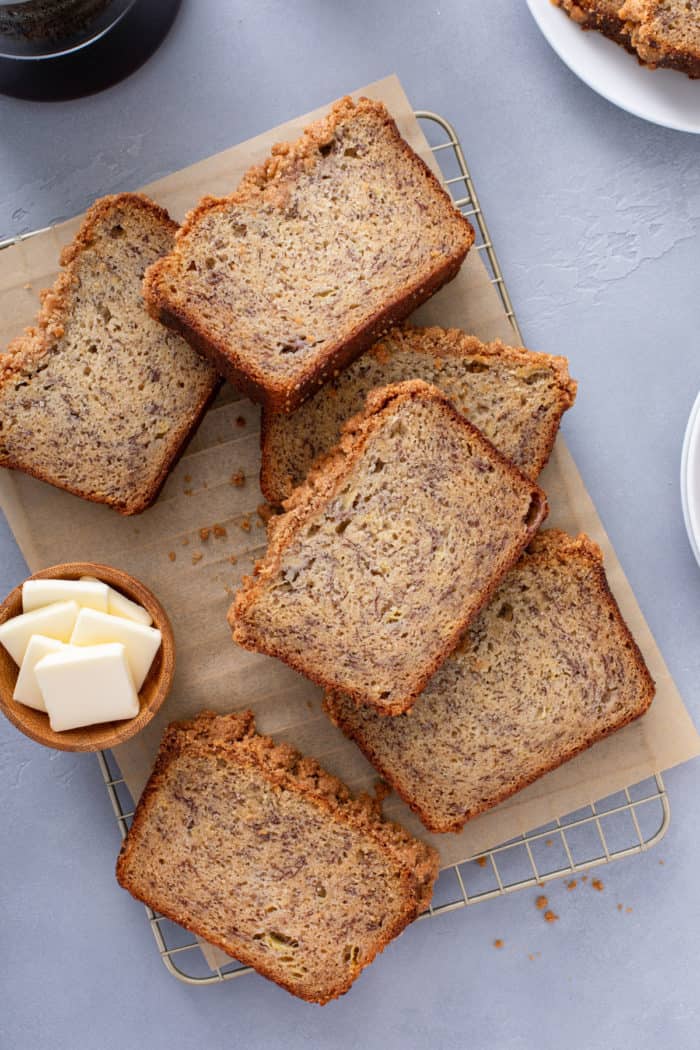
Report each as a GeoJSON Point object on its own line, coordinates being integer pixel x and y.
{"type": "Point", "coordinates": [196, 586]}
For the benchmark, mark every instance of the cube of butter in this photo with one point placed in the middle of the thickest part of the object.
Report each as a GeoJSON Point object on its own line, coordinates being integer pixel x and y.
{"type": "Point", "coordinates": [84, 686]}
{"type": "Point", "coordinates": [119, 605]}
{"type": "Point", "coordinates": [53, 621]}
{"type": "Point", "coordinates": [89, 594]}
{"type": "Point", "coordinates": [141, 642]}
{"type": "Point", "coordinates": [27, 689]}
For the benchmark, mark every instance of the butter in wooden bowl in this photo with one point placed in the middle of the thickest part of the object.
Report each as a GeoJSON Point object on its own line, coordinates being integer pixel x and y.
{"type": "Point", "coordinates": [86, 656]}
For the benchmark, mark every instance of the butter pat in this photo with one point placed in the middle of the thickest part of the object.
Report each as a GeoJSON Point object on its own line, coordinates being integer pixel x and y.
{"type": "Point", "coordinates": [27, 689]}
{"type": "Point", "coordinates": [141, 642]}
{"type": "Point", "coordinates": [54, 621]}
{"type": "Point", "coordinates": [119, 605]}
{"type": "Point", "coordinates": [89, 594]}
{"type": "Point", "coordinates": [82, 687]}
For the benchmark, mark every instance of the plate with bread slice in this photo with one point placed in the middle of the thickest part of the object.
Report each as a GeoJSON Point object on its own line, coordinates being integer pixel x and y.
{"type": "Point", "coordinates": [641, 55]}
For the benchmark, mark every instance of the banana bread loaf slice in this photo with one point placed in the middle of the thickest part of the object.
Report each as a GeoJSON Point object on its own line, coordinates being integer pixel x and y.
{"type": "Point", "coordinates": [515, 397]}
{"type": "Point", "coordinates": [603, 15]}
{"type": "Point", "coordinates": [665, 33]}
{"type": "Point", "coordinates": [334, 238]}
{"type": "Point", "coordinates": [388, 550]}
{"type": "Point", "coordinates": [263, 853]}
{"type": "Point", "coordinates": [545, 670]}
{"type": "Point", "coordinates": [99, 398]}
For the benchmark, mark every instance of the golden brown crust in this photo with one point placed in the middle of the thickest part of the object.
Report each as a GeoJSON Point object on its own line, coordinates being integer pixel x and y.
{"type": "Point", "coordinates": [643, 21]}
{"type": "Point", "coordinates": [233, 739]}
{"type": "Point", "coordinates": [286, 161]}
{"type": "Point", "coordinates": [322, 482]}
{"type": "Point", "coordinates": [441, 342]}
{"type": "Point", "coordinates": [548, 544]}
{"type": "Point", "coordinates": [601, 16]}
{"type": "Point", "coordinates": [630, 24]}
{"type": "Point", "coordinates": [27, 349]}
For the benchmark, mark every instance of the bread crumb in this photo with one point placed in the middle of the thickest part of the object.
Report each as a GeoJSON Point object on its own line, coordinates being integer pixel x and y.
{"type": "Point", "coordinates": [572, 884]}
{"type": "Point", "coordinates": [619, 907]}
{"type": "Point", "coordinates": [498, 943]}
{"type": "Point", "coordinates": [240, 421]}
{"type": "Point", "coordinates": [219, 531]}
{"type": "Point", "coordinates": [661, 862]}
{"type": "Point", "coordinates": [187, 492]}
{"type": "Point", "coordinates": [172, 555]}
{"type": "Point", "coordinates": [204, 534]}
{"type": "Point", "coordinates": [533, 955]}
{"type": "Point", "coordinates": [265, 512]}
{"type": "Point", "coordinates": [232, 558]}
{"type": "Point", "coordinates": [584, 878]}
{"type": "Point", "coordinates": [196, 556]}
{"type": "Point", "coordinates": [628, 911]}
{"type": "Point", "coordinates": [245, 524]}
{"type": "Point", "coordinates": [549, 916]}
{"type": "Point", "coordinates": [27, 287]}
{"type": "Point", "coordinates": [541, 903]}
{"type": "Point", "coordinates": [548, 842]}
{"type": "Point", "coordinates": [481, 861]}
{"type": "Point", "coordinates": [188, 477]}
{"type": "Point", "coordinates": [185, 540]}
{"type": "Point", "coordinates": [597, 885]}
{"type": "Point", "coordinates": [238, 479]}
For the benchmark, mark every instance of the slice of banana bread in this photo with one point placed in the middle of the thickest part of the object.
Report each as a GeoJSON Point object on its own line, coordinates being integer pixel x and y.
{"type": "Point", "coordinates": [99, 398]}
{"type": "Point", "coordinates": [547, 669]}
{"type": "Point", "coordinates": [263, 853]}
{"type": "Point", "coordinates": [665, 33]}
{"type": "Point", "coordinates": [603, 15]}
{"type": "Point", "coordinates": [334, 238]}
{"type": "Point", "coordinates": [388, 549]}
{"type": "Point", "coordinates": [515, 397]}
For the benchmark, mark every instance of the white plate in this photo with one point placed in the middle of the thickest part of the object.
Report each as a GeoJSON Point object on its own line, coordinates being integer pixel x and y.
{"type": "Point", "coordinates": [661, 96]}
{"type": "Point", "coordinates": [690, 478]}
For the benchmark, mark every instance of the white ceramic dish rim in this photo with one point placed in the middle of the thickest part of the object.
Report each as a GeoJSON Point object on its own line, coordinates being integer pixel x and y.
{"type": "Point", "coordinates": [690, 478]}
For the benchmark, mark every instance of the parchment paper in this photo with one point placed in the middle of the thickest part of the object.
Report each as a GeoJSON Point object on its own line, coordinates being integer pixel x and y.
{"type": "Point", "coordinates": [195, 578]}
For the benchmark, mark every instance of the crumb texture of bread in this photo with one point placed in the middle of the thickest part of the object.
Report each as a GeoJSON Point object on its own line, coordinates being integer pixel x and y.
{"type": "Point", "coordinates": [99, 398]}
{"type": "Point", "coordinates": [603, 15]}
{"type": "Point", "coordinates": [260, 851]}
{"type": "Point", "coordinates": [318, 251]}
{"type": "Point", "coordinates": [514, 396]}
{"type": "Point", "coordinates": [665, 33]}
{"type": "Point", "coordinates": [388, 549]}
{"type": "Point", "coordinates": [546, 669]}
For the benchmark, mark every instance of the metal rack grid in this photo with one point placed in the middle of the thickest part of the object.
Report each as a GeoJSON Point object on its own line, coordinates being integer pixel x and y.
{"type": "Point", "coordinates": [624, 824]}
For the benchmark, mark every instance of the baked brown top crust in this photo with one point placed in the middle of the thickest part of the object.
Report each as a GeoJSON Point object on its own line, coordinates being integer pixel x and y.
{"type": "Point", "coordinates": [260, 851]}
{"type": "Point", "coordinates": [335, 237]}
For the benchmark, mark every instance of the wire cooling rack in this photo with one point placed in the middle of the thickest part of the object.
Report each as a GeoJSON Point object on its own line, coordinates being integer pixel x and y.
{"type": "Point", "coordinates": [629, 822]}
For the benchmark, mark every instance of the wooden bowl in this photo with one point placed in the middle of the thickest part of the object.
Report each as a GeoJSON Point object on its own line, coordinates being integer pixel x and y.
{"type": "Point", "coordinates": [35, 724]}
